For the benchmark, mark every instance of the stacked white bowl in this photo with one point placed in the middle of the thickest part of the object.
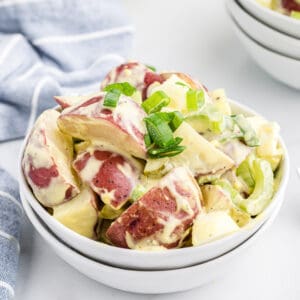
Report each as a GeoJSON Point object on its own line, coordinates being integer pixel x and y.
{"type": "Point", "coordinates": [272, 39]}
{"type": "Point", "coordinates": [151, 272]}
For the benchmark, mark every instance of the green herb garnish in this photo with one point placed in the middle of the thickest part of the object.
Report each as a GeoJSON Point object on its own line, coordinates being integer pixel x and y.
{"type": "Point", "coordinates": [155, 102]}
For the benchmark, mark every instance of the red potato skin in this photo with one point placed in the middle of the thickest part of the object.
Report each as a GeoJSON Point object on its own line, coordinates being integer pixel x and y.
{"type": "Point", "coordinates": [46, 160]}
{"type": "Point", "coordinates": [290, 5]}
{"type": "Point", "coordinates": [109, 177]}
{"type": "Point", "coordinates": [61, 103]}
{"type": "Point", "coordinates": [195, 85]}
{"type": "Point", "coordinates": [141, 219]}
{"type": "Point", "coordinates": [41, 177]}
{"type": "Point", "coordinates": [143, 76]}
{"type": "Point", "coordinates": [102, 123]}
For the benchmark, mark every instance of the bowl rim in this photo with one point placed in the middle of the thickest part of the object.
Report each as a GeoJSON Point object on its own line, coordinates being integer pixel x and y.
{"type": "Point", "coordinates": [291, 41]}
{"type": "Point", "coordinates": [258, 44]}
{"type": "Point", "coordinates": [133, 252]}
{"type": "Point", "coordinates": [51, 238]}
{"type": "Point", "coordinates": [272, 13]}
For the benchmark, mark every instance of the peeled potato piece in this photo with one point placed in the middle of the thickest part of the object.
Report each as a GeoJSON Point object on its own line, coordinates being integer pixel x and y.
{"type": "Point", "coordinates": [79, 214]}
{"type": "Point", "coordinates": [47, 162]}
{"type": "Point", "coordinates": [200, 156]}
{"type": "Point", "coordinates": [215, 198]}
{"type": "Point", "coordinates": [123, 126]}
{"type": "Point", "coordinates": [160, 218]}
{"type": "Point", "coordinates": [211, 226]}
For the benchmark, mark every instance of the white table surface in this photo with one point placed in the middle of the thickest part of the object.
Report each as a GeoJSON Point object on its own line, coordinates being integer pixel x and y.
{"type": "Point", "coordinates": [195, 37]}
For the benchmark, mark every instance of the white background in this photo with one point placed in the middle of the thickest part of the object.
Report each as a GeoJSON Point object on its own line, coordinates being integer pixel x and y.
{"type": "Point", "coordinates": [192, 36]}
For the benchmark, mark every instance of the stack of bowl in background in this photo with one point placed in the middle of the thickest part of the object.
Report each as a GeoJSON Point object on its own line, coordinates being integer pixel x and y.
{"type": "Point", "coordinates": [157, 271]}
{"type": "Point", "coordinates": [272, 39]}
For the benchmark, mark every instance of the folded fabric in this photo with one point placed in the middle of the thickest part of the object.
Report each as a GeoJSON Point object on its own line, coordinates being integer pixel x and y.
{"type": "Point", "coordinates": [47, 48]}
{"type": "Point", "coordinates": [11, 212]}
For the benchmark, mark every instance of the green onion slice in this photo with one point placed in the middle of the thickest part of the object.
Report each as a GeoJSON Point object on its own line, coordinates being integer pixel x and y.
{"type": "Point", "coordinates": [176, 120]}
{"type": "Point", "coordinates": [155, 102]}
{"type": "Point", "coordinates": [159, 130]}
{"type": "Point", "coordinates": [123, 87]}
{"type": "Point", "coordinates": [165, 152]}
{"type": "Point", "coordinates": [182, 84]}
{"type": "Point", "coordinates": [111, 98]}
{"type": "Point", "coordinates": [194, 99]}
{"type": "Point", "coordinates": [147, 139]}
{"type": "Point", "coordinates": [151, 68]}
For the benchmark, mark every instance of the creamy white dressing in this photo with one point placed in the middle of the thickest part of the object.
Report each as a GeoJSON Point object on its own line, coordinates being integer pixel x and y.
{"type": "Point", "coordinates": [71, 100]}
{"type": "Point", "coordinates": [130, 117]}
{"type": "Point", "coordinates": [167, 235]}
{"type": "Point", "coordinates": [107, 196]}
{"type": "Point", "coordinates": [128, 172]}
{"type": "Point", "coordinates": [91, 168]}
{"type": "Point", "coordinates": [236, 150]}
{"type": "Point", "coordinates": [48, 146]}
{"type": "Point", "coordinates": [181, 177]}
{"type": "Point", "coordinates": [147, 244]}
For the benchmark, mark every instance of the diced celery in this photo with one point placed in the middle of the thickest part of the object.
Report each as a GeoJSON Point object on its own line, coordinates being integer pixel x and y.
{"type": "Point", "coordinates": [249, 134]}
{"type": "Point", "coordinates": [207, 119]}
{"type": "Point", "coordinates": [137, 192]}
{"type": "Point", "coordinates": [263, 190]}
{"type": "Point", "coordinates": [109, 213]}
{"type": "Point", "coordinates": [245, 171]}
{"type": "Point", "coordinates": [234, 194]}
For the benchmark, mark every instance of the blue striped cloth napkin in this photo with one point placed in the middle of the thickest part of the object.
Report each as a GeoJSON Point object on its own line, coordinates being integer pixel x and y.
{"type": "Point", "coordinates": [47, 48]}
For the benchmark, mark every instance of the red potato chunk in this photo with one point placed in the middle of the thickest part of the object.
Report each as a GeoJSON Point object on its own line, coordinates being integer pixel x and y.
{"type": "Point", "coordinates": [160, 218]}
{"type": "Point", "coordinates": [194, 84]}
{"type": "Point", "coordinates": [291, 5]}
{"type": "Point", "coordinates": [47, 162]}
{"type": "Point", "coordinates": [67, 101]}
{"type": "Point", "coordinates": [109, 174]}
{"type": "Point", "coordinates": [135, 73]}
{"type": "Point", "coordinates": [123, 126]}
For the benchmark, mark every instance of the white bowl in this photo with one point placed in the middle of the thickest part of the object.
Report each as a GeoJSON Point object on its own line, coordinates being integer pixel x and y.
{"type": "Point", "coordinates": [280, 67]}
{"type": "Point", "coordinates": [157, 260]}
{"type": "Point", "coordinates": [265, 35]}
{"type": "Point", "coordinates": [274, 19]}
{"type": "Point", "coordinates": [147, 282]}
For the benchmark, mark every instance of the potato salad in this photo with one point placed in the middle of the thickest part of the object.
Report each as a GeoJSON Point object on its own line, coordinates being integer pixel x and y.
{"type": "Point", "coordinates": [286, 7]}
{"type": "Point", "coordinates": [152, 161]}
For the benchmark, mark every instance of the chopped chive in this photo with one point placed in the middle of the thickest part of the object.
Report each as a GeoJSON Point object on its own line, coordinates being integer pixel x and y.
{"type": "Point", "coordinates": [151, 68]}
{"type": "Point", "coordinates": [111, 98]}
{"type": "Point", "coordinates": [155, 102]}
{"type": "Point", "coordinates": [124, 87]}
